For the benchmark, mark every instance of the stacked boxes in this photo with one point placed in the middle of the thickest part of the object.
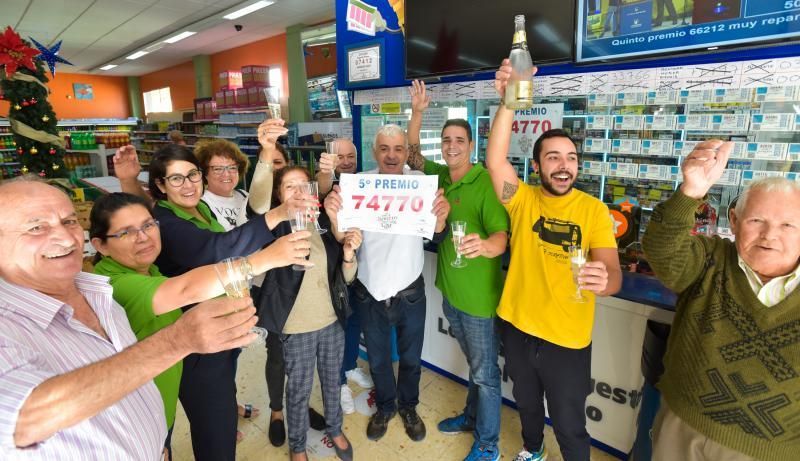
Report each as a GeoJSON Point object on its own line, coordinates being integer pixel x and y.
{"type": "Point", "coordinates": [248, 88]}
{"type": "Point", "coordinates": [230, 80]}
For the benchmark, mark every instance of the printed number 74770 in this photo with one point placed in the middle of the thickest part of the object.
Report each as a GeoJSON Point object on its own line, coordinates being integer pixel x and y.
{"type": "Point", "coordinates": [374, 202]}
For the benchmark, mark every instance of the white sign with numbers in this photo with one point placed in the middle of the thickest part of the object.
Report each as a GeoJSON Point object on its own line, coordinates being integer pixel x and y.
{"type": "Point", "coordinates": [529, 124]}
{"type": "Point", "coordinates": [388, 203]}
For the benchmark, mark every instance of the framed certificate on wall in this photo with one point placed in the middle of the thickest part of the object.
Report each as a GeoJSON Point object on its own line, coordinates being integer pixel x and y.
{"type": "Point", "coordinates": [366, 64]}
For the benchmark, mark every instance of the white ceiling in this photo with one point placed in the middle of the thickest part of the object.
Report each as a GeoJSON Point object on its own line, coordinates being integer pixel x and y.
{"type": "Point", "coordinates": [99, 32]}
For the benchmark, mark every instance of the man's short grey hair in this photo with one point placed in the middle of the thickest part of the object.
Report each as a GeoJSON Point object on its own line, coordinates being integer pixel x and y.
{"type": "Point", "coordinates": [347, 141]}
{"type": "Point", "coordinates": [771, 184]}
{"type": "Point", "coordinates": [389, 130]}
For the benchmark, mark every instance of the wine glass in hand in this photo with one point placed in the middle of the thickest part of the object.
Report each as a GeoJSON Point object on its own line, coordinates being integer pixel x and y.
{"type": "Point", "coordinates": [577, 259]}
{"type": "Point", "coordinates": [332, 154]}
{"type": "Point", "coordinates": [234, 275]}
{"type": "Point", "coordinates": [458, 229]}
{"type": "Point", "coordinates": [298, 220]}
{"type": "Point", "coordinates": [312, 188]}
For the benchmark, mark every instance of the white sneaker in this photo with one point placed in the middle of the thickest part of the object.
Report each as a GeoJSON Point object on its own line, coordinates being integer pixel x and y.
{"type": "Point", "coordinates": [360, 377]}
{"type": "Point", "coordinates": [346, 399]}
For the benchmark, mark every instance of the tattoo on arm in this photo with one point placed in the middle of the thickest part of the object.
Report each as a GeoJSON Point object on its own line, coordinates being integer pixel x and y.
{"type": "Point", "coordinates": [509, 190]}
{"type": "Point", "coordinates": [415, 159]}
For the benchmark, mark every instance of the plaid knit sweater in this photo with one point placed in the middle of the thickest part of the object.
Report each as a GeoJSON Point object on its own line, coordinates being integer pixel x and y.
{"type": "Point", "coordinates": [732, 366]}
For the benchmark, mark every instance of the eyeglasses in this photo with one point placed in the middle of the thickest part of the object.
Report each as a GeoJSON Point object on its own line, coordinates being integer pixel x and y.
{"type": "Point", "coordinates": [219, 170]}
{"type": "Point", "coordinates": [133, 232]}
{"type": "Point", "coordinates": [177, 180]}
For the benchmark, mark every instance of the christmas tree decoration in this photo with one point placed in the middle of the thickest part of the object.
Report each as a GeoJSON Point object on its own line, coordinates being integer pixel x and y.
{"type": "Point", "coordinates": [14, 52]}
{"type": "Point", "coordinates": [42, 174]}
{"type": "Point", "coordinates": [50, 55]}
{"type": "Point", "coordinates": [55, 167]}
{"type": "Point", "coordinates": [34, 126]}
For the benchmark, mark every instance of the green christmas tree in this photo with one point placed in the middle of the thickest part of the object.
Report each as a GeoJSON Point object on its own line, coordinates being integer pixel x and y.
{"type": "Point", "coordinates": [23, 82]}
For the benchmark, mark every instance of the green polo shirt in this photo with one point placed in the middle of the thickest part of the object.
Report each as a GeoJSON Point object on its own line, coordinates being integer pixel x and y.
{"type": "Point", "coordinates": [474, 289]}
{"type": "Point", "coordinates": [134, 292]}
{"type": "Point", "coordinates": [213, 225]}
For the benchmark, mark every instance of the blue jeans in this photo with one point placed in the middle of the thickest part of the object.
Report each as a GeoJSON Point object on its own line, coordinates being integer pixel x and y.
{"type": "Point", "coordinates": [479, 338]}
{"type": "Point", "coordinates": [406, 312]}
{"type": "Point", "coordinates": [352, 334]}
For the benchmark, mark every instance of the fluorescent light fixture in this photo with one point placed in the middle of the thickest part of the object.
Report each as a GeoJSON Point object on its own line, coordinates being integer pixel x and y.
{"type": "Point", "coordinates": [179, 37]}
{"type": "Point", "coordinates": [137, 55]}
{"type": "Point", "coordinates": [108, 67]}
{"type": "Point", "coordinates": [249, 9]}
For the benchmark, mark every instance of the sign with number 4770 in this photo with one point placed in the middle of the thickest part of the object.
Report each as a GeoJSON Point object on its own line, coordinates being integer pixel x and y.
{"type": "Point", "coordinates": [387, 203]}
{"type": "Point", "coordinates": [529, 124]}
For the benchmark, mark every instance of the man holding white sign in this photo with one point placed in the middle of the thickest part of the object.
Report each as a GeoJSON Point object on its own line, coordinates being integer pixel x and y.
{"type": "Point", "coordinates": [547, 317]}
{"type": "Point", "coordinates": [390, 290]}
{"type": "Point", "coordinates": [470, 293]}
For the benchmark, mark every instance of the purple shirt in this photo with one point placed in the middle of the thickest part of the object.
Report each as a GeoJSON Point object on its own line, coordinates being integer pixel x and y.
{"type": "Point", "coordinates": [39, 339]}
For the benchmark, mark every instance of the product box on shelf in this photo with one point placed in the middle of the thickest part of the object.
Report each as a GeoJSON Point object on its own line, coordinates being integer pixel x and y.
{"type": "Point", "coordinates": [254, 75]}
{"type": "Point", "coordinates": [199, 108]}
{"type": "Point", "coordinates": [210, 110]}
{"type": "Point", "coordinates": [256, 96]}
{"type": "Point", "coordinates": [219, 98]}
{"type": "Point", "coordinates": [231, 98]}
{"type": "Point", "coordinates": [230, 79]}
{"type": "Point", "coordinates": [83, 209]}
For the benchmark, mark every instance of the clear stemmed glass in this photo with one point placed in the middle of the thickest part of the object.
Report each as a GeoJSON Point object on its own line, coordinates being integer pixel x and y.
{"type": "Point", "coordinates": [234, 274]}
{"type": "Point", "coordinates": [577, 259]}
{"type": "Point", "coordinates": [458, 229]}
{"type": "Point", "coordinates": [330, 148]}
{"type": "Point", "coordinates": [298, 220]}
{"type": "Point", "coordinates": [312, 188]}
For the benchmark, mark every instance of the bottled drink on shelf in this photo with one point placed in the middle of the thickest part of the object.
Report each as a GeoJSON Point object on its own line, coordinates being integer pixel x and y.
{"type": "Point", "coordinates": [519, 92]}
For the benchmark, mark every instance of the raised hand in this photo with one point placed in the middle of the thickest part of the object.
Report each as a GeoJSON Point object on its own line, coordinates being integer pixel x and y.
{"type": "Point", "coordinates": [502, 76]}
{"type": "Point", "coordinates": [704, 166]}
{"type": "Point", "coordinates": [441, 208]}
{"type": "Point", "coordinates": [419, 98]}
{"type": "Point", "coordinates": [290, 249]}
{"type": "Point", "coordinates": [217, 325]}
{"type": "Point", "coordinates": [327, 162]}
{"type": "Point", "coordinates": [269, 131]}
{"type": "Point", "coordinates": [126, 163]}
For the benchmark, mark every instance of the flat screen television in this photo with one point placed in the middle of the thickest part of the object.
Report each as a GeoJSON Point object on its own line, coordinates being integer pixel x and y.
{"type": "Point", "coordinates": [611, 30]}
{"type": "Point", "coordinates": [446, 37]}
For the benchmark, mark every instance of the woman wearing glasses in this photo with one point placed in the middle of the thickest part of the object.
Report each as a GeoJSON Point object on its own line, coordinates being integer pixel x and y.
{"type": "Point", "coordinates": [127, 239]}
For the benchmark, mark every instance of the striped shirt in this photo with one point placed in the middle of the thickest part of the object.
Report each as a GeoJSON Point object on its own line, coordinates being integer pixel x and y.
{"type": "Point", "coordinates": [39, 339]}
{"type": "Point", "coordinates": [774, 291]}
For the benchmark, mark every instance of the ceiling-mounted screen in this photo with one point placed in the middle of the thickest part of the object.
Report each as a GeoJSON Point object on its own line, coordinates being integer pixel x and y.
{"type": "Point", "coordinates": [465, 36]}
{"type": "Point", "coordinates": [624, 29]}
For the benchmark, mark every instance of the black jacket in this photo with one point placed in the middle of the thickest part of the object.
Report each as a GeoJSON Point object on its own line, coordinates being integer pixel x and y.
{"type": "Point", "coordinates": [281, 286]}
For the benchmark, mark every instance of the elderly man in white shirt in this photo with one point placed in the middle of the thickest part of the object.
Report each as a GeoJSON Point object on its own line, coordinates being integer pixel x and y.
{"type": "Point", "coordinates": [390, 292]}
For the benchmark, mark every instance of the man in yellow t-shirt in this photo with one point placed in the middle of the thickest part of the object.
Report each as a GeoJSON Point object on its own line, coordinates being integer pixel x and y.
{"type": "Point", "coordinates": [546, 333]}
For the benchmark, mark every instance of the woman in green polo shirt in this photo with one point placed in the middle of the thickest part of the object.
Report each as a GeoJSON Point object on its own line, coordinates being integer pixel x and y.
{"type": "Point", "coordinates": [127, 239]}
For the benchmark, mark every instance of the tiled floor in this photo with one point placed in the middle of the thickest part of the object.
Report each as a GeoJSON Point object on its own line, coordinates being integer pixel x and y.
{"type": "Point", "coordinates": [440, 398]}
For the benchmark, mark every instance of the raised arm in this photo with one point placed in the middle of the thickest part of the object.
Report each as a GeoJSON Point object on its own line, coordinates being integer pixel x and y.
{"type": "Point", "coordinates": [202, 283]}
{"type": "Point", "coordinates": [260, 197]}
{"type": "Point", "coordinates": [675, 255]}
{"type": "Point", "coordinates": [327, 165]}
{"type": "Point", "coordinates": [419, 102]}
{"type": "Point", "coordinates": [127, 169]}
{"type": "Point", "coordinates": [63, 401]}
{"type": "Point", "coordinates": [504, 177]}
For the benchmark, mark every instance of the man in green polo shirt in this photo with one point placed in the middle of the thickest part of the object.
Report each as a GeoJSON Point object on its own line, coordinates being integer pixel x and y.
{"type": "Point", "coordinates": [471, 293]}
{"type": "Point", "coordinates": [135, 292]}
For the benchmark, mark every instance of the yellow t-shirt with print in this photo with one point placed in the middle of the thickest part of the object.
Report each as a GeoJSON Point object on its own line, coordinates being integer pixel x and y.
{"type": "Point", "coordinates": [537, 294]}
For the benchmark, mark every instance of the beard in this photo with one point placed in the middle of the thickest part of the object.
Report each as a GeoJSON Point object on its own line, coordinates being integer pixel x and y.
{"type": "Point", "coordinates": [547, 184]}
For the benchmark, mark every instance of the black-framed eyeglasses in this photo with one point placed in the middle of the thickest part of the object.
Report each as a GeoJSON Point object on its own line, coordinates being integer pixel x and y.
{"type": "Point", "coordinates": [177, 180]}
{"type": "Point", "coordinates": [218, 170]}
{"type": "Point", "coordinates": [133, 232]}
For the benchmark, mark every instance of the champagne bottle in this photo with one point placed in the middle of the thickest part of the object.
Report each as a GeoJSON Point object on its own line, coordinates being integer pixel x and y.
{"type": "Point", "coordinates": [519, 92]}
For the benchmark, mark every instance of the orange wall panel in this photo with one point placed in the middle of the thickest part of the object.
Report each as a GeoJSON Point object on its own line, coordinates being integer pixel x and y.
{"type": "Point", "coordinates": [179, 79]}
{"type": "Point", "coordinates": [268, 52]}
{"type": "Point", "coordinates": [317, 64]}
{"type": "Point", "coordinates": [110, 97]}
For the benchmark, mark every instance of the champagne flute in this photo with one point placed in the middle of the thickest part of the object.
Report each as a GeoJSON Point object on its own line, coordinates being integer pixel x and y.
{"type": "Point", "coordinates": [312, 188]}
{"type": "Point", "coordinates": [330, 148]}
{"type": "Point", "coordinates": [234, 274]}
{"type": "Point", "coordinates": [577, 259]}
{"type": "Point", "coordinates": [458, 229]}
{"type": "Point", "coordinates": [298, 220]}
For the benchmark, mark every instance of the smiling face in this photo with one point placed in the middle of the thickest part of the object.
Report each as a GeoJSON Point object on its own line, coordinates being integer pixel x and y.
{"type": "Point", "coordinates": [220, 177]}
{"type": "Point", "coordinates": [558, 166]}
{"type": "Point", "coordinates": [768, 232]}
{"type": "Point", "coordinates": [188, 194]}
{"type": "Point", "coordinates": [41, 239]}
{"type": "Point", "coordinates": [346, 153]}
{"type": "Point", "coordinates": [137, 250]}
{"type": "Point", "coordinates": [390, 153]}
{"type": "Point", "coordinates": [291, 183]}
{"type": "Point", "coordinates": [456, 147]}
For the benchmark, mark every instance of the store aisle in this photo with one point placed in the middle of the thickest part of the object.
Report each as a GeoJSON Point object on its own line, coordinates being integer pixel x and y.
{"type": "Point", "coordinates": [440, 397]}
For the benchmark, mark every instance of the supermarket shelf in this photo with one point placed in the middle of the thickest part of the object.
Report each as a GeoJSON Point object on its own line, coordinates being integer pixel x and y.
{"type": "Point", "coordinates": [155, 141]}
{"type": "Point", "coordinates": [243, 110]}
{"type": "Point", "coordinates": [149, 132]}
{"type": "Point", "coordinates": [240, 123]}
{"type": "Point", "coordinates": [204, 121]}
